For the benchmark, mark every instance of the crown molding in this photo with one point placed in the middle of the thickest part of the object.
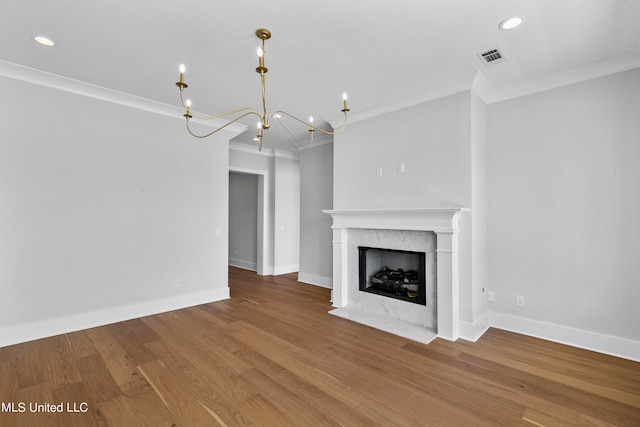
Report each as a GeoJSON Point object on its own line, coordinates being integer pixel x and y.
{"type": "Point", "coordinates": [478, 84]}
{"type": "Point", "coordinates": [317, 143]}
{"type": "Point", "coordinates": [54, 81]}
{"type": "Point", "coordinates": [449, 87]}
{"type": "Point", "coordinates": [267, 152]}
{"type": "Point", "coordinates": [493, 94]}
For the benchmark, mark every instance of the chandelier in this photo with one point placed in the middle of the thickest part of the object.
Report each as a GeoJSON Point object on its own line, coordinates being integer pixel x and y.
{"type": "Point", "coordinates": [263, 34]}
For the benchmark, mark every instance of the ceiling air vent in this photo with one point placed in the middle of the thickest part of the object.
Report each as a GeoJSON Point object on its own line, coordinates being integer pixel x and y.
{"type": "Point", "coordinates": [493, 56]}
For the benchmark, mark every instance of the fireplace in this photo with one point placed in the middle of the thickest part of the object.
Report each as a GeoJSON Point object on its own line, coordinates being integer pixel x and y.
{"type": "Point", "coordinates": [433, 231]}
{"type": "Point", "coordinates": [393, 273]}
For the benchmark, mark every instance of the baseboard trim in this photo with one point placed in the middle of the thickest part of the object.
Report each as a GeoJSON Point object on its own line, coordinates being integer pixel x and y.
{"type": "Point", "coordinates": [246, 265]}
{"type": "Point", "coordinates": [606, 344]}
{"type": "Point", "coordinates": [312, 279]}
{"type": "Point", "coordinates": [473, 331]}
{"type": "Point", "coordinates": [285, 269]}
{"type": "Point", "coordinates": [76, 322]}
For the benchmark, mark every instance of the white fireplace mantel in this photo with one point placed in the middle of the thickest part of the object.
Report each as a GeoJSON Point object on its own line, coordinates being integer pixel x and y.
{"type": "Point", "coordinates": [442, 221]}
{"type": "Point", "coordinates": [423, 219]}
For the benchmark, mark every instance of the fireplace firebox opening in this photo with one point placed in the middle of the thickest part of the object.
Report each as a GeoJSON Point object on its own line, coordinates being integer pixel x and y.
{"type": "Point", "coordinates": [393, 273]}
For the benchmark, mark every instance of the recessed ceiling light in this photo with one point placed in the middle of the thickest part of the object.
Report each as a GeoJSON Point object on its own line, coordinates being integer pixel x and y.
{"type": "Point", "coordinates": [511, 23]}
{"type": "Point", "coordinates": [44, 41]}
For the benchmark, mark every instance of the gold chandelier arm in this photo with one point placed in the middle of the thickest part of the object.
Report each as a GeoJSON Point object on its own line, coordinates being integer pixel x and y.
{"type": "Point", "coordinates": [252, 110]}
{"type": "Point", "coordinates": [344, 124]}
{"type": "Point", "coordinates": [292, 135]}
{"type": "Point", "coordinates": [310, 125]}
{"type": "Point", "coordinates": [221, 127]}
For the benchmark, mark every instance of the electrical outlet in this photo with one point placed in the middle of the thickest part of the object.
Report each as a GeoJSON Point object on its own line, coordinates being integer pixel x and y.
{"type": "Point", "coordinates": [491, 296]}
{"type": "Point", "coordinates": [519, 301]}
{"type": "Point", "coordinates": [379, 171]}
{"type": "Point", "coordinates": [178, 283]}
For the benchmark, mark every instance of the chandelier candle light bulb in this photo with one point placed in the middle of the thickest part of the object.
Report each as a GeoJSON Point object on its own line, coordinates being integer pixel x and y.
{"type": "Point", "coordinates": [260, 58]}
{"type": "Point", "coordinates": [182, 70]}
{"type": "Point", "coordinates": [188, 114]}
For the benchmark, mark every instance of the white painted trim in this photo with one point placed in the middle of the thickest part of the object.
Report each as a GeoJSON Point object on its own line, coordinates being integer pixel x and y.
{"type": "Point", "coordinates": [312, 279]}
{"type": "Point", "coordinates": [417, 96]}
{"type": "Point", "coordinates": [285, 269]}
{"type": "Point", "coordinates": [474, 331]}
{"type": "Point", "coordinates": [491, 94]}
{"type": "Point", "coordinates": [266, 271]}
{"type": "Point", "coordinates": [263, 268]}
{"type": "Point", "coordinates": [317, 142]}
{"type": "Point", "coordinates": [76, 322]}
{"type": "Point", "coordinates": [240, 263]}
{"type": "Point", "coordinates": [54, 81]}
{"type": "Point", "coordinates": [614, 346]}
{"type": "Point", "coordinates": [267, 152]}
{"type": "Point", "coordinates": [439, 220]}
{"type": "Point", "coordinates": [251, 149]}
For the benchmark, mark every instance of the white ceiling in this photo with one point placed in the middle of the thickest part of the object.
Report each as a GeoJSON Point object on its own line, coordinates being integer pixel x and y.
{"type": "Point", "coordinates": [385, 55]}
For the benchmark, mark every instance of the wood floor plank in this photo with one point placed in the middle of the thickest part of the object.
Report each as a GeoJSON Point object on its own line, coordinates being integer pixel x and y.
{"type": "Point", "coordinates": [297, 386]}
{"type": "Point", "coordinates": [271, 355]}
{"type": "Point", "coordinates": [547, 389]}
{"type": "Point", "coordinates": [579, 365]}
{"type": "Point", "coordinates": [61, 365]}
{"type": "Point", "coordinates": [625, 396]}
{"type": "Point", "coordinates": [489, 383]}
{"type": "Point", "coordinates": [141, 399]}
{"type": "Point", "coordinates": [186, 410]}
{"type": "Point", "coordinates": [212, 385]}
{"type": "Point", "coordinates": [80, 343]}
{"type": "Point", "coordinates": [98, 384]}
{"type": "Point", "coordinates": [121, 366]}
{"type": "Point", "coordinates": [270, 404]}
{"type": "Point", "coordinates": [74, 405]}
{"type": "Point", "coordinates": [33, 396]}
{"type": "Point", "coordinates": [376, 390]}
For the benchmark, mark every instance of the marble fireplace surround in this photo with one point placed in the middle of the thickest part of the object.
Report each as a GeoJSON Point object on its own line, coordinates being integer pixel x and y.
{"type": "Point", "coordinates": [376, 224]}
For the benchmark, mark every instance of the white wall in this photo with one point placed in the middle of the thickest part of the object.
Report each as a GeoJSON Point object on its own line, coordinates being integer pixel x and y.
{"type": "Point", "coordinates": [243, 220]}
{"type": "Point", "coordinates": [479, 200]}
{"type": "Point", "coordinates": [102, 209]}
{"type": "Point", "coordinates": [316, 194]}
{"type": "Point", "coordinates": [564, 192]}
{"type": "Point", "coordinates": [286, 215]}
{"type": "Point", "coordinates": [431, 139]}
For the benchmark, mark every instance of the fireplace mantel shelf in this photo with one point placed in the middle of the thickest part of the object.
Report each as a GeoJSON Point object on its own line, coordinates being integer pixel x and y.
{"type": "Point", "coordinates": [432, 219]}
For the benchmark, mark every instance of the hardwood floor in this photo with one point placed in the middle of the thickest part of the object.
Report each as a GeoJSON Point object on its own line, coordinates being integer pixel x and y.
{"type": "Point", "coordinates": [272, 356]}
